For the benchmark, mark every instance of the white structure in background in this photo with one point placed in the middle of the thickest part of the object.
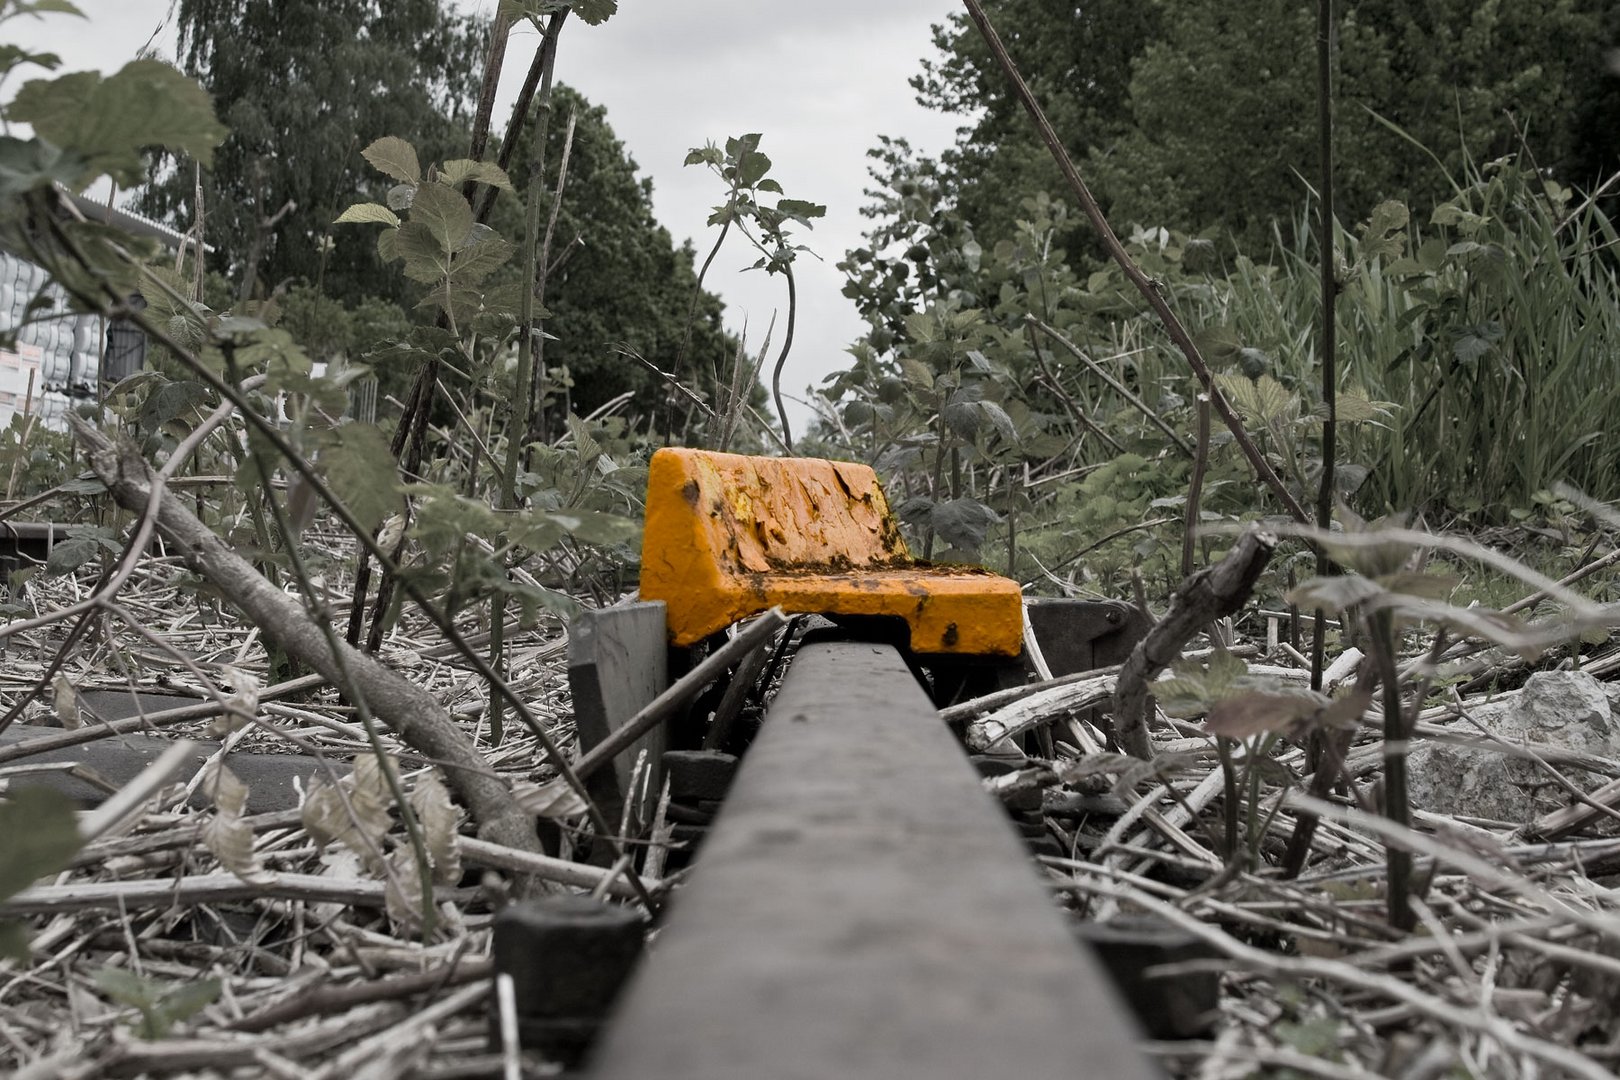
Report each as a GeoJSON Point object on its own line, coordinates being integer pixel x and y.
{"type": "Point", "coordinates": [56, 358]}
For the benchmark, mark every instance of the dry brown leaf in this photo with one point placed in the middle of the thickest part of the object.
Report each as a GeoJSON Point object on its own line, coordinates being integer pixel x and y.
{"type": "Point", "coordinates": [226, 835]}
{"type": "Point", "coordinates": [225, 789]}
{"type": "Point", "coordinates": [402, 892]}
{"type": "Point", "coordinates": [65, 702]}
{"type": "Point", "coordinates": [441, 823]}
{"type": "Point", "coordinates": [553, 799]}
{"type": "Point", "coordinates": [361, 824]}
{"type": "Point", "coordinates": [241, 706]}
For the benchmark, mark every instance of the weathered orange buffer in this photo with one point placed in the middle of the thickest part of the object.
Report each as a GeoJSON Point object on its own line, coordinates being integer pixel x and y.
{"type": "Point", "coordinates": [728, 536]}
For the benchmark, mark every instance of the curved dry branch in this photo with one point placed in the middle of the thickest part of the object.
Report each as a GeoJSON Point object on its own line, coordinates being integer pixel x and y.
{"type": "Point", "coordinates": [411, 711]}
{"type": "Point", "coordinates": [1213, 593]}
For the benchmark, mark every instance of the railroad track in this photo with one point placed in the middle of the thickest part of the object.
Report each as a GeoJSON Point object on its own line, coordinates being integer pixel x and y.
{"type": "Point", "coordinates": [859, 906]}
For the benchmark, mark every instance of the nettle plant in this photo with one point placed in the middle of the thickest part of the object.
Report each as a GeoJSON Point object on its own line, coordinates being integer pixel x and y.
{"type": "Point", "coordinates": [1002, 430]}
{"type": "Point", "coordinates": [744, 170]}
{"type": "Point", "coordinates": [511, 497]}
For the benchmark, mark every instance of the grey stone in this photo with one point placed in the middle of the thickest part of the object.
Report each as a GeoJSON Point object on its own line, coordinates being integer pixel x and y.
{"type": "Point", "coordinates": [1562, 710]}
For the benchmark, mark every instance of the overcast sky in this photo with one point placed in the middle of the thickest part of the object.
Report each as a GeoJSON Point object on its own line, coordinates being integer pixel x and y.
{"type": "Point", "coordinates": [820, 80]}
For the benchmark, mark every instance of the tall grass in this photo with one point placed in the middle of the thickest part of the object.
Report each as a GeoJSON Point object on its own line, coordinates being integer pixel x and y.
{"type": "Point", "coordinates": [1492, 326]}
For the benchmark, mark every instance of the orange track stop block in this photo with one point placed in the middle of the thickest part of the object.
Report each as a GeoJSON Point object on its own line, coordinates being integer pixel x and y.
{"type": "Point", "coordinates": [729, 536]}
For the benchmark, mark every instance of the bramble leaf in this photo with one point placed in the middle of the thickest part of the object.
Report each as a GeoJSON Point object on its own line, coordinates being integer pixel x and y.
{"type": "Point", "coordinates": [109, 122]}
{"type": "Point", "coordinates": [367, 214]}
{"type": "Point", "coordinates": [459, 170]}
{"type": "Point", "coordinates": [41, 836]}
{"type": "Point", "coordinates": [363, 473]}
{"type": "Point", "coordinates": [394, 157]}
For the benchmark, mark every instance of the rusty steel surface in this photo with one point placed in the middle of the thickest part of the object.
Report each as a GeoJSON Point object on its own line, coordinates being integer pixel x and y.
{"type": "Point", "coordinates": [728, 536]}
{"type": "Point", "coordinates": [862, 909]}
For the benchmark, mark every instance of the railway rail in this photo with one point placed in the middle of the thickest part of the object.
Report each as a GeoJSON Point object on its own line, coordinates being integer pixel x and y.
{"type": "Point", "coordinates": [854, 902]}
{"type": "Point", "coordinates": [859, 906]}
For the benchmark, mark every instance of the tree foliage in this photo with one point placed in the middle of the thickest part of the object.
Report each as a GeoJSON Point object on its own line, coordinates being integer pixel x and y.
{"type": "Point", "coordinates": [624, 283]}
{"type": "Point", "coordinates": [1199, 114]}
{"type": "Point", "coordinates": [303, 86]}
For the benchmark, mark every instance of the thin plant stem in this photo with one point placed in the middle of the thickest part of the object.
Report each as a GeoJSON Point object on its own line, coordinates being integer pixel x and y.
{"type": "Point", "coordinates": [1149, 289]}
{"type": "Point", "coordinates": [110, 301]}
{"type": "Point", "coordinates": [781, 360]}
{"type": "Point", "coordinates": [1330, 422]}
{"type": "Point", "coordinates": [1396, 807]}
{"type": "Point", "coordinates": [1195, 487]}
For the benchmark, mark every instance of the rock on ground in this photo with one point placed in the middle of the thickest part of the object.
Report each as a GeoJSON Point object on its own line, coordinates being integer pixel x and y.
{"type": "Point", "coordinates": [1564, 710]}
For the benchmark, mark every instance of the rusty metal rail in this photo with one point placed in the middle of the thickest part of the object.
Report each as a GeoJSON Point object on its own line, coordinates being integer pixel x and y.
{"type": "Point", "coordinates": [862, 909]}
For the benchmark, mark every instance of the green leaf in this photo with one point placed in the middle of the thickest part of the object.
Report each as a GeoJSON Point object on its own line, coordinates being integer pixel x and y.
{"type": "Point", "coordinates": [367, 214]}
{"type": "Point", "coordinates": [1334, 593]}
{"type": "Point", "coordinates": [39, 835]}
{"type": "Point", "coordinates": [84, 544]}
{"type": "Point", "coordinates": [394, 157]}
{"type": "Point", "coordinates": [168, 401]}
{"type": "Point", "coordinates": [800, 210]}
{"type": "Point", "coordinates": [535, 600]}
{"type": "Point", "coordinates": [963, 418]}
{"type": "Point", "coordinates": [278, 355]}
{"type": "Point", "coordinates": [484, 253]}
{"type": "Point", "coordinates": [444, 213]}
{"type": "Point", "coordinates": [110, 122]}
{"type": "Point", "coordinates": [704, 155]}
{"type": "Point", "coordinates": [1262, 399]}
{"type": "Point", "coordinates": [41, 7]}
{"type": "Point", "coordinates": [25, 165]}
{"type": "Point", "coordinates": [1194, 687]}
{"type": "Point", "coordinates": [1474, 342]}
{"type": "Point", "coordinates": [752, 167]}
{"type": "Point", "coordinates": [1317, 1038]}
{"type": "Point", "coordinates": [125, 987]}
{"type": "Point", "coordinates": [1256, 712]}
{"type": "Point", "coordinates": [917, 373]}
{"type": "Point", "coordinates": [999, 420]}
{"type": "Point", "coordinates": [594, 526]}
{"type": "Point", "coordinates": [426, 259]}
{"type": "Point", "coordinates": [595, 12]}
{"type": "Point", "coordinates": [963, 523]}
{"type": "Point", "coordinates": [1354, 407]}
{"type": "Point", "coordinates": [1384, 233]}
{"type": "Point", "coordinates": [363, 473]}
{"type": "Point", "coordinates": [460, 170]}
{"type": "Point", "coordinates": [189, 998]}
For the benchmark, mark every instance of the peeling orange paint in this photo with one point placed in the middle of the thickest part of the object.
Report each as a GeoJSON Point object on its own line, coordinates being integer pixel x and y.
{"type": "Point", "coordinates": [728, 536]}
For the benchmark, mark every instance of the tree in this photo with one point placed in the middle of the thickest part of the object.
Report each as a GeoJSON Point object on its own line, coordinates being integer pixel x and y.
{"type": "Point", "coordinates": [1077, 59]}
{"type": "Point", "coordinates": [306, 85]}
{"type": "Point", "coordinates": [1222, 106]}
{"type": "Point", "coordinates": [303, 86]}
{"type": "Point", "coordinates": [622, 281]}
{"type": "Point", "coordinates": [1198, 114]}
